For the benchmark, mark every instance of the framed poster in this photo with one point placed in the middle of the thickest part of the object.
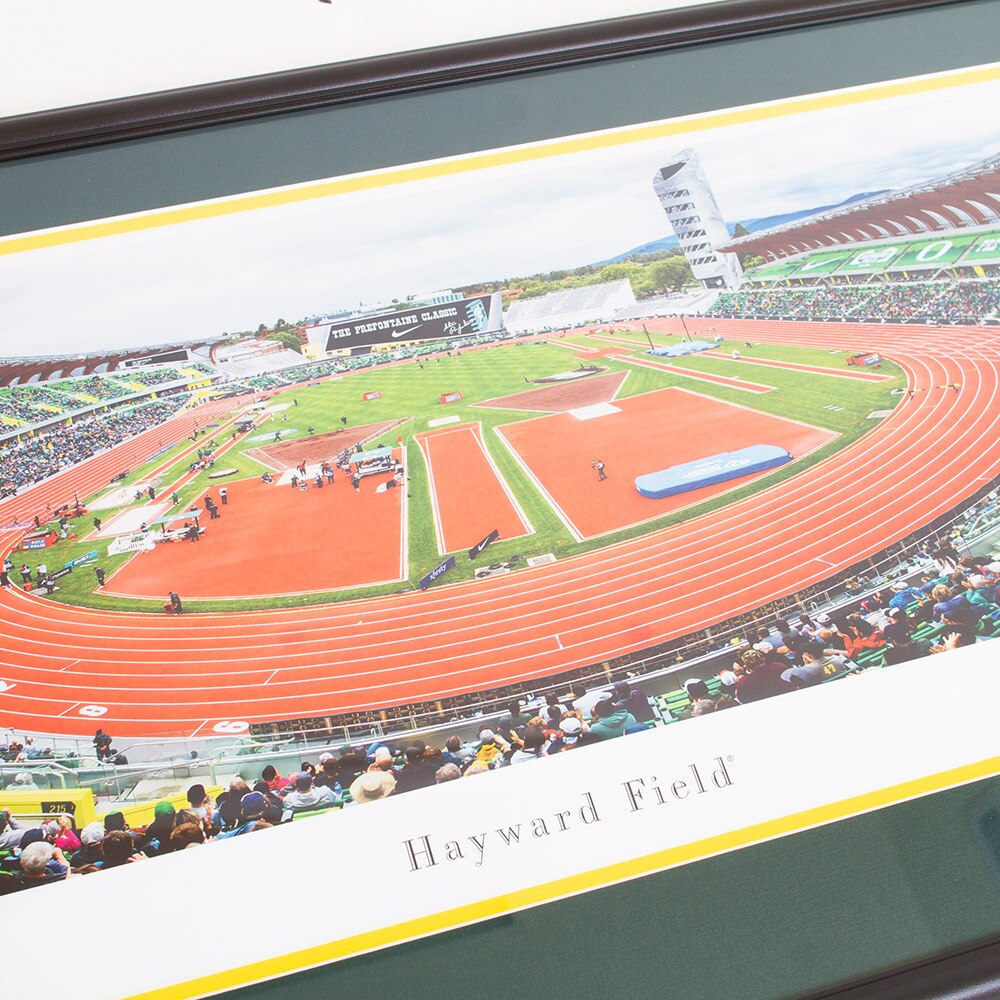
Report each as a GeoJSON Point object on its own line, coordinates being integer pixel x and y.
{"type": "Point", "coordinates": [250, 59]}
{"type": "Point", "coordinates": [659, 455]}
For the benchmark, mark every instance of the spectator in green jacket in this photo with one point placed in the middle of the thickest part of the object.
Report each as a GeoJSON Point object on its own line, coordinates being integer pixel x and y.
{"type": "Point", "coordinates": [609, 721]}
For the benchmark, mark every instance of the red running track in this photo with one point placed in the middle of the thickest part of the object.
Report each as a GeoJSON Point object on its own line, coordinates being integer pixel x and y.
{"type": "Point", "coordinates": [156, 675]}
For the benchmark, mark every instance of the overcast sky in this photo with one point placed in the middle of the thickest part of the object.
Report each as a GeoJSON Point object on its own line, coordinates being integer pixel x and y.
{"type": "Point", "coordinates": [205, 277]}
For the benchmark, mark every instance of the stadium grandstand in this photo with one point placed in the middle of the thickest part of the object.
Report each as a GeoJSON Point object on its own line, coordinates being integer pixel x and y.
{"type": "Point", "coordinates": [572, 307]}
{"type": "Point", "coordinates": [25, 409]}
{"type": "Point", "coordinates": [36, 457]}
{"type": "Point", "coordinates": [960, 201]}
{"type": "Point", "coordinates": [58, 412]}
{"type": "Point", "coordinates": [19, 371]}
{"type": "Point", "coordinates": [253, 357]}
{"type": "Point", "coordinates": [924, 598]}
{"type": "Point", "coordinates": [973, 302]}
{"type": "Point", "coordinates": [929, 253]}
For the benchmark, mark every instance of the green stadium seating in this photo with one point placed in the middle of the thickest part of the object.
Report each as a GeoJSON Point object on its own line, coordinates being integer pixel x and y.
{"type": "Point", "coordinates": [309, 813]}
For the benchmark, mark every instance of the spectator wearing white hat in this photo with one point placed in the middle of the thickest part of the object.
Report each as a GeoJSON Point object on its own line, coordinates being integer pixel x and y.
{"type": "Point", "coordinates": [903, 595]}
{"type": "Point", "coordinates": [372, 786]}
{"type": "Point", "coordinates": [571, 731]}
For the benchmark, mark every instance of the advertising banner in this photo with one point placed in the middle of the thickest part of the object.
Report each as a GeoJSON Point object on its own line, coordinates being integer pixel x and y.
{"type": "Point", "coordinates": [986, 248]}
{"type": "Point", "coordinates": [821, 263]}
{"type": "Point", "coordinates": [779, 269]}
{"type": "Point", "coordinates": [875, 259]}
{"type": "Point", "coordinates": [86, 557]}
{"type": "Point", "coordinates": [480, 547]}
{"type": "Point", "coordinates": [448, 320]}
{"type": "Point", "coordinates": [943, 251]}
{"type": "Point", "coordinates": [436, 573]}
{"type": "Point", "coordinates": [39, 541]}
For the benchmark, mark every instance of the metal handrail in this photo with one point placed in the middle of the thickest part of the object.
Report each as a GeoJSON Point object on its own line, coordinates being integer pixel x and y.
{"type": "Point", "coordinates": [55, 769]}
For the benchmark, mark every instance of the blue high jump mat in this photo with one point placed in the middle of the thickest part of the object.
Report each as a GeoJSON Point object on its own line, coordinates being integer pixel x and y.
{"type": "Point", "coordinates": [711, 470]}
{"type": "Point", "coordinates": [684, 347]}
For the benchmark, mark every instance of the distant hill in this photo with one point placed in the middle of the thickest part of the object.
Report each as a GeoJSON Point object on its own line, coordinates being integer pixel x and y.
{"type": "Point", "coordinates": [752, 225]}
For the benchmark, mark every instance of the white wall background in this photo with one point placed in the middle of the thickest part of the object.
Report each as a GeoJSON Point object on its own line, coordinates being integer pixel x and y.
{"type": "Point", "coordinates": [63, 52]}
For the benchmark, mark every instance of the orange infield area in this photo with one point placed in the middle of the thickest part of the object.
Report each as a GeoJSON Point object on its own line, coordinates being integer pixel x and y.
{"type": "Point", "coordinates": [468, 493]}
{"type": "Point", "coordinates": [272, 539]}
{"type": "Point", "coordinates": [639, 435]}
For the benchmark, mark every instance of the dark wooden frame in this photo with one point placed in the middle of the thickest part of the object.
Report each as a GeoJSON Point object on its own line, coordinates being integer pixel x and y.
{"type": "Point", "coordinates": [297, 90]}
{"type": "Point", "coordinates": [965, 974]}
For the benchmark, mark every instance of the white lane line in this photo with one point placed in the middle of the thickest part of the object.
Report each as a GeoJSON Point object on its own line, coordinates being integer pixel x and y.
{"type": "Point", "coordinates": [559, 512]}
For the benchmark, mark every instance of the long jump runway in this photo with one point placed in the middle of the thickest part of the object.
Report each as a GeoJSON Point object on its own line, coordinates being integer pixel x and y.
{"type": "Point", "coordinates": [66, 669]}
{"type": "Point", "coordinates": [469, 497]}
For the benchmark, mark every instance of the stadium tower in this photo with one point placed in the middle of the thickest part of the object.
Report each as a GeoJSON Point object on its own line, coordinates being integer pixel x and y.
{"type": "Point", "coordinates": [694, 215]}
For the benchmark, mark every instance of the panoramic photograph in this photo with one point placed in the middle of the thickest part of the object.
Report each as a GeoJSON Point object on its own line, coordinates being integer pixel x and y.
{"type": "Point", "coordinates": [387, 481]}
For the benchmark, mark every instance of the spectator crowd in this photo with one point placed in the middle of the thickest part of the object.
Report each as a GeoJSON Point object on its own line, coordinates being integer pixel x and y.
{"type": "Point", "coordinates": [968, 302]}
{"type": "Point", "coordinates": [36, 402]}
{"type": "Point", "coordinates": [44, 454]}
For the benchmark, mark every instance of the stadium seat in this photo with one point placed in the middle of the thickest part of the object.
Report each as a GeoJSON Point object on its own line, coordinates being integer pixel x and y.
{"type": "Point", "coordinates": [309, 813]}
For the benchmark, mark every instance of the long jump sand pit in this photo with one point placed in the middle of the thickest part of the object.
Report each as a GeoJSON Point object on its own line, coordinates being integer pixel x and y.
{"type": "Point", "coordinates": [644, 434]}
{"type": "Point", "coordinates": [131, 520]}
{"type": "Point", "coordinates": [271, 540]}
{"type": "Point", "coordinates": [315, 448]}
{"type": "Point", "coordinates": [560, 397]}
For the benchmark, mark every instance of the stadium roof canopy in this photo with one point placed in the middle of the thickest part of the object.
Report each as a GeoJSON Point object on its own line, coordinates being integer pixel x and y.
{"type": "Point", "coordinates": [45, 367]}
{"type": "Point", "coordinates": [966, 198]}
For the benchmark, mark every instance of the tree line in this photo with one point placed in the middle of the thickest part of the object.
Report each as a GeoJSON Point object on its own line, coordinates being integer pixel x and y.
{"type": "Point", "coordinates": [649, 274]}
